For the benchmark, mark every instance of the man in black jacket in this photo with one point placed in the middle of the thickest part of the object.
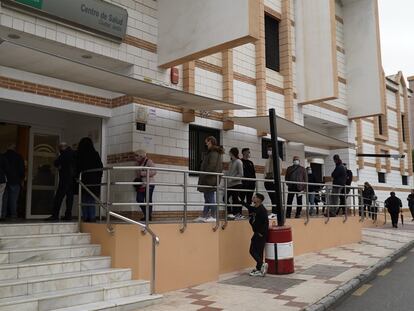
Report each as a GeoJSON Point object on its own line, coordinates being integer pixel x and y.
{"type": "Point", "coordinates": [15, 180]}
{"type": "Point", "coordinates": [394, 206]}
{"type": "Point", "coordinates": [249, 171]}
{"type": "Point", "coordinates": [345, 190]}
{"type": "Point", "coordinates": [338, 183]}
{"type": "Point", "coordinates": [4, 172]}
{"type": "Point", "coordinates": [65, 163]}
{"type": "Point", "coordinates": [260, 225]}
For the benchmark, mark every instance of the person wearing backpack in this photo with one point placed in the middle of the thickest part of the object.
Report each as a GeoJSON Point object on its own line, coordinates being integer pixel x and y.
{"type": "Point", "coordinates": [142, 160]}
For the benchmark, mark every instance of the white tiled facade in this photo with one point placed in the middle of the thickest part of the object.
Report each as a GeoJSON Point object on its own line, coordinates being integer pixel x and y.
{"type": "Point", "coordinates": [166, 135]}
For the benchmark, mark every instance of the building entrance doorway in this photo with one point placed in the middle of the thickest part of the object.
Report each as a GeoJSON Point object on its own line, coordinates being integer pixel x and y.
{"type": "Point", "coordinates": [43, 176]}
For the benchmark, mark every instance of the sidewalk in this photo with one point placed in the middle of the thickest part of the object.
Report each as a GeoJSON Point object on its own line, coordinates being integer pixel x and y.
{"type": "Point", "coordinates": [320, 278]}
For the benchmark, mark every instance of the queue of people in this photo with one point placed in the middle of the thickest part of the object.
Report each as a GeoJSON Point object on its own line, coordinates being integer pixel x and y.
{"type": "Point", "coordinates": [70, 165]}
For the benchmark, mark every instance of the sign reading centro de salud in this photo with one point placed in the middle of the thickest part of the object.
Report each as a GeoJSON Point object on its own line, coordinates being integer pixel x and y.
{"type": "Point", "coordinates": [95, 15]}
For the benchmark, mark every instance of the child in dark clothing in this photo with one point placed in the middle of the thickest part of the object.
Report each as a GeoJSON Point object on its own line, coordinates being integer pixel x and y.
{"type": "Point", "coordinates": [260, 225]}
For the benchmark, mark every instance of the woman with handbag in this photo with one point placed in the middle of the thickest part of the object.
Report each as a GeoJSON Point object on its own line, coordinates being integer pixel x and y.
{"type": "Point", "coordinates": [142, 160]}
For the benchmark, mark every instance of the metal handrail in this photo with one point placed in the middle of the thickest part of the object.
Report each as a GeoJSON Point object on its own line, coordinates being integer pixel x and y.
{"type": "Point", "coordinates": [144, 228]}
{"type": "Point", "coordinates": [218, 189]}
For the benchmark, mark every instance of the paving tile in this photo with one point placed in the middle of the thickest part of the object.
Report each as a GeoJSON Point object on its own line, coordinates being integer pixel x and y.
{"type": "Point", "coordinates": [296, 304]}
{"type": "Point", "coordinates": [196, 296]}
{"type": "Point", "coordinates": [325, 271]}
{"type": "Point", "coordinates": [270, 282]}
{"type": "Point", "coordinates": [203, 302]}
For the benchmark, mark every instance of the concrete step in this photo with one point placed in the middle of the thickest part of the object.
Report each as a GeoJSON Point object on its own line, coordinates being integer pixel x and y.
{"type": "Point", "coordinates": [38, 228]}
{"type": "Point", "coordinates": [43, 240]}
{"type": "Point", "coordinates": [49, 267]}
{"type": "Point", "coordinates": [48, 253]}
{"type": "Point", "coordinates": [75, 297]}
{"type": "Point", "coordinates": [122, 304]}
{"type": "Point", "coordinates": [29, 286]}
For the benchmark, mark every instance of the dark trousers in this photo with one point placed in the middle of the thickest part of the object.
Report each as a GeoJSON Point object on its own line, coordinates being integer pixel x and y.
{"type": "Point", "coordinates": [246, 196]}
{"type": "Point", "coordinates": [10, 199]}
{"type": "Point", "coordinates": [364, 209]}
{"type": "Point", "coordinates": [394, 218]}
{"type": "Point", "coordinates": [270, 186]}
{"type": "Point", "coordinates": [257, 245]}
{"type": "Point", "coordinates": [63, 190]}
{"type": "Point", "coordinates": [88, 208]}
{"type": "Point", "coordinates": [298, 204]}
{"type": "Point", "coordinates": [142, 197]}
{"type": "Point", "coordinates": [373, 212]}
{"type": "Point", "coordinates": [235, 199]}
{"type": "Point", "coordinates": [342, 202]}
{"type": "Point", "coordinates": [412, 210]}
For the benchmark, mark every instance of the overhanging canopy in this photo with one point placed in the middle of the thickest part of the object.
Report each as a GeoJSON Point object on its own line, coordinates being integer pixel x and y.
{"type": "Point", "coordinates": [293, 132]}
{"type": "Point", "coordinates": [34, 60]}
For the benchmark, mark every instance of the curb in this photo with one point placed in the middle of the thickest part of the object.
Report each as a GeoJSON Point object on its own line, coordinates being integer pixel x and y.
{"type": "Point", "coordinates": [345, 290]}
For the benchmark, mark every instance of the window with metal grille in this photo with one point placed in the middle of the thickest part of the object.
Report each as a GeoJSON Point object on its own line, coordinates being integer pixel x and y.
{"type": "Point", "coordinates": [197, 146]}
{"type": "Point", "coordinates": [272, 43]}
{"type": "Point", "coordinates": [381, 178]}
{"type": "Point", "coordinates": [404, 180]}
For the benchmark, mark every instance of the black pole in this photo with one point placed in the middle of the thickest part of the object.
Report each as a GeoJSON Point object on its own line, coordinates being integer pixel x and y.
{"type": "Point", "coordinates": [381, 155]}
{"type": "Point", "coordinates": [276, 167]}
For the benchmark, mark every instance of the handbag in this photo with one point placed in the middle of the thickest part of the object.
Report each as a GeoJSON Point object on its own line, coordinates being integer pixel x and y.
{"type": "Point", "coordinates": [139, 179]}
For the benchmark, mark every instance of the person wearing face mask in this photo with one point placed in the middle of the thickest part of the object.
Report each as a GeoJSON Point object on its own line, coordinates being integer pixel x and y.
{"type": "Point", "coordinates": [296, 173]}
{"type": "Point", "coordinates": [235, 170]}
{"type": "Point", "coordinates": [270, 185]}
{"type": "Point", "coordinates": [249, 171]}
{"type": "Point", "coordinates": [212, 162]}
{"type": "Point", "coordinates": [311, 191]}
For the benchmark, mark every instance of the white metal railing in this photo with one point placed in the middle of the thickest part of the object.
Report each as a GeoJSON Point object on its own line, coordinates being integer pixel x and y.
{"type": "Point", "coordinates": [144, 227]}
{"type": "Point", "coordinates": [329, 197]}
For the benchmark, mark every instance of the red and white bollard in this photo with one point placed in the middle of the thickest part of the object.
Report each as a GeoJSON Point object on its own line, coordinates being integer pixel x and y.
{"type": "Point", "coordinates": [279, 250]}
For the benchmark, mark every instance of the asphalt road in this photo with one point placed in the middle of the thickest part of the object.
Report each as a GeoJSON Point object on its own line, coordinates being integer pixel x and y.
{"type": "Point", "coordinates": [391, 290]}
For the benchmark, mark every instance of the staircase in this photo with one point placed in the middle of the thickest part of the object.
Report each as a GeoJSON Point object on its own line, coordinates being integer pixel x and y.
{"type": "Point", "coordinates": [49, 266]}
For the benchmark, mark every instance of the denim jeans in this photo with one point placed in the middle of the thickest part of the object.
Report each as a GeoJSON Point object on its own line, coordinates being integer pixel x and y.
{"type": "Point", "coordinates": [10, 198]}
{"type": "Point", "coordinates": [209, 197]}
{"type": "Point", "coordinates": [141, 198]}
{"type": "Point", "coordinates": [311, 198]}
{"type": "Point", "coordinates": [88, 212]}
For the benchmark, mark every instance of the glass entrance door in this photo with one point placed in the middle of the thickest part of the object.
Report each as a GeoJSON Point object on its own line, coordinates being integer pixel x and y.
{"type": "Point", "coordinates": [43, 175]}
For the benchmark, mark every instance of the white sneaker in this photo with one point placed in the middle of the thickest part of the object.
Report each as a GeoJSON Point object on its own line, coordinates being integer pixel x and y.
{"type": "Point", "coordinates": [264, 268]}
{"type": "Point", "coordinates": [231, 216]}
{"type": "Point", "coordinates": [200, 219]}
{"type": "Point", "coordinates": [255, 273]}
{"type": "Point", "coordinates": [272, 216]}
{"type": "Point", "coordinates": [210, 219]}
{"type": "Point", "coordinates": [239, 217]}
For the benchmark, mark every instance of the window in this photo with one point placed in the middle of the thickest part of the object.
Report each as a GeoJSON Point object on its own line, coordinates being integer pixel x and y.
{"type": "Point", "coordinates": [380, 126]}
{"type": "Point", "coordinates": [403, 127]}
{"type": "Point", "coordinates": [404, 180]}
{"type": "Point", "coordinates": [197, 147]}
{"type": "Point", "coordinates": [266, 142]}
{"type": "Point", "coordinates": [272, 43]}
{"type": "Point", "coordinates": [381, 178]}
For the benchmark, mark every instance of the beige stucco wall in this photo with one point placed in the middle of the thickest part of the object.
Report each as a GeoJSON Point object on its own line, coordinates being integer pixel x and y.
{"type": "Point", "coordinates": [200, 255]}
